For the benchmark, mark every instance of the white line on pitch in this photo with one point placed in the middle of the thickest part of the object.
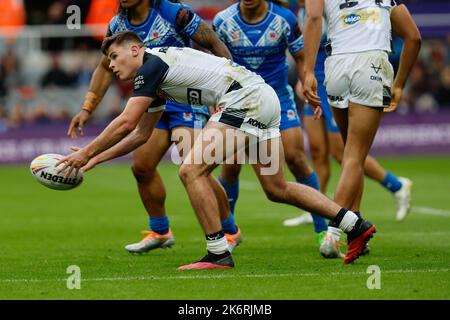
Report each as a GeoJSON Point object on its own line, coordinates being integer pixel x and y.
{"type": "Point", "coordinates": [431, 211]}
{"type": "Point", "coordinates": [231, 276]}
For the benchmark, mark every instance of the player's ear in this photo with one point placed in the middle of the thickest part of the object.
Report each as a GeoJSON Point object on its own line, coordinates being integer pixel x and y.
{"type": "Point", "coordinates": [135, 50]}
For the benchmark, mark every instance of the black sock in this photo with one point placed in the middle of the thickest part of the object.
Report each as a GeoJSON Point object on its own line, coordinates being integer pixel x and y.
{"type": "Point", "coordinates": [336, 221]}
{"type": "Point", "coordinates": [357, 213]}
{"type": "Point", "coordinates": [215, 236]}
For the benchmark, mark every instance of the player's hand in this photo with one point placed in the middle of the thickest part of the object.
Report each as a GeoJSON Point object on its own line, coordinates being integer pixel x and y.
{"type": "Point", "coordinates": [299, 91]}
{"type": "Point", "coordinates": [310, 90]}
{"type": "Point", "coordinates": [396, 96]}
{"type": "Point", "coordinates": [77, 124]}
{"type": "Point", "coordinates": [74, 161]}
{"type": "Point", "coordinates": [317, 112]}
{"type": "Point", "coordinates": [90, 165]}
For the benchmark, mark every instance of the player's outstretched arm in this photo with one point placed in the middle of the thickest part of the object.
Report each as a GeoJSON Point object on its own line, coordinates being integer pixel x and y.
{"type": "Point", "coordinates": [208, 39]}
{"type": "Point", "coordinates": [100, 82]}
{"type": "Point", "coordinates": [118, 129]}
{"type": "Point", "coordinates": [404, 26]}
{"type": "Point", "coordinates": [136, 138]}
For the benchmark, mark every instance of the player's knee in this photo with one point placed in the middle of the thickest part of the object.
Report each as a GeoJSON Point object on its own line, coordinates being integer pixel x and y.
{"type": "Point", "coordinates": [297, 163]}
{"type": "Point", "coordinates": [141, 173]}
{"type": "Point", "coordinates": [187, 173]}
{"type": "Point", "coordinates": [318, 153]}
{"type": "Point", "coordinates": [352, 163]}
{"type": "Point", "coordinates": [274, 193]}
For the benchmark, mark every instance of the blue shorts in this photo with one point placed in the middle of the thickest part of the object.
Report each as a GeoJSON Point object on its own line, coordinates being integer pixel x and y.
{"type": "Point", "coordinates": [330, 124]}
{"type": "Point", "coordinates": [176, 115]}
{"type": "Point", "coordinates": [201, 114]}
{"type": "Point", "coordinates": [289, 114]}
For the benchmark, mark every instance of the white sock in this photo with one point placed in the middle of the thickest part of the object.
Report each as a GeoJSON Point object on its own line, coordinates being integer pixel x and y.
{"type": "Point", "coordinates": [218, 246]}
{"type": "Point", "coordinates": [349, 221]}
{"type": "Point", "coordinates": [335, 233]}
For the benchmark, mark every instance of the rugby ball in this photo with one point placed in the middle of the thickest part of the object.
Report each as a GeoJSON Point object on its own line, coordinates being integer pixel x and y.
{"type": "Point", "coordinates": [44, 170]}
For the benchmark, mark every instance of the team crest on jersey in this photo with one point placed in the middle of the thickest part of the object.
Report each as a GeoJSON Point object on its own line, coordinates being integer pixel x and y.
{"type": "Point", "coordinates": [292, 115]}
{"type": "Point", "coordinates": [187, 116]}
{"type": "Point", "coordinates": [272, 36]}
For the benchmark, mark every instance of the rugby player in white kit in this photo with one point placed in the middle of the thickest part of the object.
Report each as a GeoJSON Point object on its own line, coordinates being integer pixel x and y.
{"type": "Point", "coordinates": [359, 78]}
{"type": "Point", "coordinates": [245, 105]}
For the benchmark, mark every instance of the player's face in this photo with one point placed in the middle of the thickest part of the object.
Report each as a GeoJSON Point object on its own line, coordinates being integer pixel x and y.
{"type": "Point", "coordinates": [124, 60]}
{"type": "Point", "coordinates": [251, 4]}
{"type": "Point", "coordinates": [127, 4]}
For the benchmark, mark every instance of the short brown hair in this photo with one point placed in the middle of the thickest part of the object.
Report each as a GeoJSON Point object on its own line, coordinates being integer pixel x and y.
{"type": "Point", "coordinates": [119, 38]}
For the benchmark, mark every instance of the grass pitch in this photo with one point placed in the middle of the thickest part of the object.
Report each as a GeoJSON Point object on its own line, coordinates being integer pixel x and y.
{"type": "Point", "coordinates": [43, 232]}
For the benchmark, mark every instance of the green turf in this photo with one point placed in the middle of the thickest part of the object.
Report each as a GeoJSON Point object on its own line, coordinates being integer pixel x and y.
{"type": "Point", "coordinates": [42, 232]}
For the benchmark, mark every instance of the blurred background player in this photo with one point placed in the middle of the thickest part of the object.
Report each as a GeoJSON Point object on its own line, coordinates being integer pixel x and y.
{"type": "Point", "coordinates": [158, 23]}
{"type": "Point", "coordinates": [325, 141]}
{"type": "Point", "coordinates": [359, 78]}
{"type": "Point", "coordinates": [257, 33]}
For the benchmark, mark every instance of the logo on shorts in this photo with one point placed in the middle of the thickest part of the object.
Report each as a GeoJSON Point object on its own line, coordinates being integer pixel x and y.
{"type": "Point", "coordinates": [187, 116]}
{"type": "Point", "coordinates": [256, 124]}
{"type": "Point", "coordinates": [291, 115]}
{"type": "Point", "coordinates": [376, 69]}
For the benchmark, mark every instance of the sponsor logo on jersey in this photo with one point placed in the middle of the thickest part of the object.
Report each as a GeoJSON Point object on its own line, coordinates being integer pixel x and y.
{"type": "Point", "coordinates": [351, 19]}
{"type": "Point", "coordinates": [138, 82]}
{"type": "Point", "coordinates": [336, 98]}
{"type": "Point", "coordinates": [194, 96]}
{"type": "Point", "coordinates": [371, 15]}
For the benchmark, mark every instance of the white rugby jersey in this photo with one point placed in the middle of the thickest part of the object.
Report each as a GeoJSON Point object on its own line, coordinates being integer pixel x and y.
{"type": "Point", "coordinates": [359, 25]}
{"type": "Point", "coordinates": [189, 76]}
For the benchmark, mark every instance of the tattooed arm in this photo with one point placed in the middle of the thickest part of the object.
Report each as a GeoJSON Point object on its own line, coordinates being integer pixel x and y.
{"type": "Point", "coordinates": [208, 39]}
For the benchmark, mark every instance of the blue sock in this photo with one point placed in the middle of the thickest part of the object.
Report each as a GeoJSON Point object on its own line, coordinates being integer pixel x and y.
{"type": "Point", "coordinates": [228, 225]}
{"type": "Point", "coordinates": [232, 190]}
{"type": "Point", "coordinates": [391, 182]}
{"type": "Point", "coordinates": [159, 225]}
{"type": "Point", "coordinates": [320, 224]}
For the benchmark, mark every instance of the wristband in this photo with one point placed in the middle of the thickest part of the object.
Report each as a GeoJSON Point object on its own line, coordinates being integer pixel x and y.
{"type": "Point", "coordinates": [91, 100]}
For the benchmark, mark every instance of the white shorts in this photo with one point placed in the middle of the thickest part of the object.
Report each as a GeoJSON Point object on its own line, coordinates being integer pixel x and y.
{"type": "Point", "coordinates": [364, 78]}
{"type": "Point", "coordinates": [253, 109]}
